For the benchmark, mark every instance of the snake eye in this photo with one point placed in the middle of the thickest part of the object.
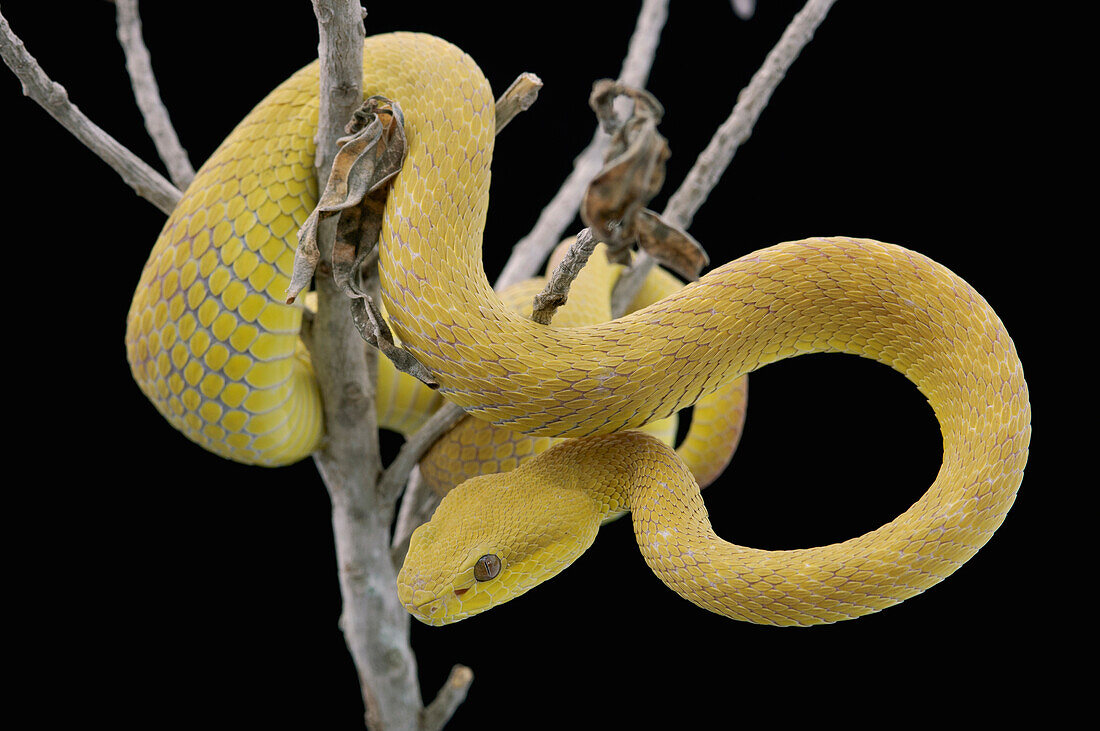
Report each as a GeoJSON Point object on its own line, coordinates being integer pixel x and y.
{"type": "Point", "coordinates": [487, 567]}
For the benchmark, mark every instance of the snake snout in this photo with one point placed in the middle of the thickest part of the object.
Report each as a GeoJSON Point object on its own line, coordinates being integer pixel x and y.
{"type": "Point", "coordinates": [420, 603]}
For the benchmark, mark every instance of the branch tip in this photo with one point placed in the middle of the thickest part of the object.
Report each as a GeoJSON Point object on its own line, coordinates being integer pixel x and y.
{"type": "Point", "coordinates": [450, 696]}
{"type": "Point", "coordinates": [556, 292]}
{"type": "Point", "coordinates": [517, 98]}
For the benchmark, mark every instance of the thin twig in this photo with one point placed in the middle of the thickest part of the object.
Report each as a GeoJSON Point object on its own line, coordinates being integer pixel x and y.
{"type": "Point", "coordinates": [51, 96]}
{"type": "Point", "coordinates": [416, 446]}
{"type": "Point", "coordinates": [147, 95]}
{"type": "Point", "coordinates": [713, 161]}
{"type": "Point", "coordinates": [517, 98]}
{"type": "Point", "coordinates": [531, 251]}
{"type": "Point", "coordinates": [556, 291]}
{"type": "Point", "coordinates": [450, 696]}
{"type": "Point", "coordinates": [630, 282]}
{"type": "Point", "coordinates": [417, 506]}
{"type": "Point", "coordinates": [642, 48]}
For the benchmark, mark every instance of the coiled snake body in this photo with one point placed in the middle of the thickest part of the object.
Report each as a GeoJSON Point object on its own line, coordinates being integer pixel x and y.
{"type": "Point", "coordinates": [214, 347]}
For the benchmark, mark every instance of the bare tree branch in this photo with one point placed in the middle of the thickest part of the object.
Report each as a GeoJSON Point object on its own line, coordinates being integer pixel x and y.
{"type": "Point", "coordinates": [531, 251]}
{"type": "Point", "coordinates": [340, 50]}
{"type": "Point", "coordinates": [51, 96]}
{"type": "Point", "coordinates": [642, 48]}
{"type": "Point", "coordinates": [713, 161]}
{"type": "Point", "coordinates": [375, 625]}
{"type": "Point", "coordinates": [144, 83]}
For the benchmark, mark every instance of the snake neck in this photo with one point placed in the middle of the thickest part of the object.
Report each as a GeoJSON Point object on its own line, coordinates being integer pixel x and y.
{"type": "Point", "coordinates": [605, 469]}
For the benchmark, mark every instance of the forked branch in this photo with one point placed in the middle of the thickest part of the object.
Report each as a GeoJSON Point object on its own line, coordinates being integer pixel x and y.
{"type": "Point", "coordinates": [51, 96]}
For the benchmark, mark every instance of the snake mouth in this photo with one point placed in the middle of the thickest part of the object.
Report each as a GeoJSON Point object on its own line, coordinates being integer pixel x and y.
{"type": "Point", "coordinates": [438, 610]}
{"type": "Point", "coordinates": [448, 606]}
{"type": "Point", "coordinates": [427, 611]}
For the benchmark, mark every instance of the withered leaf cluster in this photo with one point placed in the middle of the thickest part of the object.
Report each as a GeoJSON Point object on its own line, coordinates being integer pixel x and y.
{"type": "Point", "coordinates": [633, 173]}
{"type": "Point", "coordinates": [348, 218]}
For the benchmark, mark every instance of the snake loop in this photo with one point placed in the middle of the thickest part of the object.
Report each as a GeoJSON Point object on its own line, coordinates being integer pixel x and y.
{"type": "Point", "coordinates": [213, 346]}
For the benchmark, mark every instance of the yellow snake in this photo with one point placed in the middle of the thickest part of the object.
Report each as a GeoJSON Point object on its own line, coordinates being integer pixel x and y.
{"type": "Point", "coordinates": [212, 345]}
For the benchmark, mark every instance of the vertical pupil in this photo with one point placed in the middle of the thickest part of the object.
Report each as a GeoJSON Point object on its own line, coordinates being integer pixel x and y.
{"type": "Point", "coordinates": [487, 567]}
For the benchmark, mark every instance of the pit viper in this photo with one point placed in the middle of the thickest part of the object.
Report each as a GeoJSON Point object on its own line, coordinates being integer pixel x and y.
{"type": "Point", "coordinates": [212, 343]}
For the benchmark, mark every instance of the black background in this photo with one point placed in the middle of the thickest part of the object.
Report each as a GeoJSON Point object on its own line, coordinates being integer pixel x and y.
{"type": "Point", "coordinates": [177, 585]}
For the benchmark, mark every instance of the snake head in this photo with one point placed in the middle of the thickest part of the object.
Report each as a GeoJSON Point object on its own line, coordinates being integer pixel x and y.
{"type": "Point", "coordinates": [491, 539]}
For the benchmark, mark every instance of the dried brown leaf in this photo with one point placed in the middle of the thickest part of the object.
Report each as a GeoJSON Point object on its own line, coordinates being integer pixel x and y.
{"type": "Point", "coordinates": [348, 218]}
{"type": "Point", "coordinates": [348, 212]}
{"type": "Point", "coordinates": [626, 184]}
{"type": "Point", "coordinates": [671, 246]}
{"type": "Point", "coordinates": [602, 100]}
{"type": "Point", "coordinates": [633, 173]}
